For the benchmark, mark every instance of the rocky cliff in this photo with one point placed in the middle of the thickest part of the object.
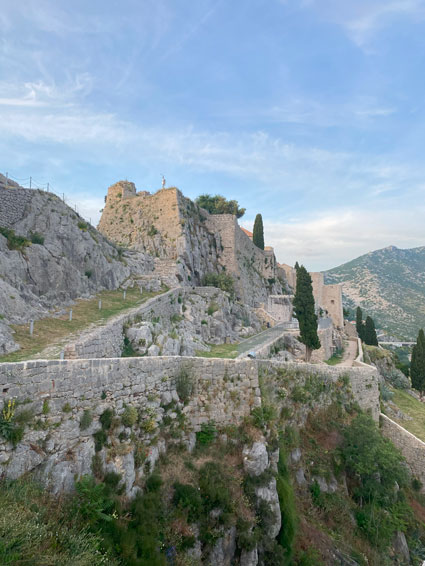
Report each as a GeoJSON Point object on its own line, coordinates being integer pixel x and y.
{"type": "Point", "coordinates": [49, 255]}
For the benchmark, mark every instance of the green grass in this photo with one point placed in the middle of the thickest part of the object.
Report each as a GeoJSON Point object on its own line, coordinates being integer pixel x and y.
{"type": "Point", "coordinates": [412, 408]}
{"type": "Point", "coordinates": [50, 331]}
{"type": "Point", "coordinates": [334, 360]}
{"type": "Point", "coordinates": [219, 351]}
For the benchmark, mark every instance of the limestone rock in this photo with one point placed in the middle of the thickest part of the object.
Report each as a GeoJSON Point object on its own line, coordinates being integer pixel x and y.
{"type": "Point", "coordinates": [224, 549]}
{"type": "Point", "coordinates": [255, 459]}
{"type": "Point", "coordinates": [249, 557]}
{"type": "Point", "coordinates": [401, 548]}
{"type": "Point", "coordinates": [153, 350]}
{"type": "Point", "coordinates": [269, 494]}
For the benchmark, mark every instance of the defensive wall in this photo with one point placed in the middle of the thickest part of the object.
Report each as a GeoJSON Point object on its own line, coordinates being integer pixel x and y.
{"type": "Point", "coordinates": [412, 448]}
{"type": "Point", "coordinates": [58, 395]}
{"type": "Point", "coordinates": [13, 205]}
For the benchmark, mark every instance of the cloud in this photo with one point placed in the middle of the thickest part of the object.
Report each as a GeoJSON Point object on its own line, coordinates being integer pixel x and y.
{"type": "Point", "coordinates": [327, 239]}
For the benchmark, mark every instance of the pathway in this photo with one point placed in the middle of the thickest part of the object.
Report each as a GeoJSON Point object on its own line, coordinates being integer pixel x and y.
{"type": "Point", "coordinates": [252, 343]}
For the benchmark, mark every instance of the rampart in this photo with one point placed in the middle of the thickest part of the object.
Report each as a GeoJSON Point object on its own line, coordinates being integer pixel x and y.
{"type": "Point", "coordinates": [13, 205]}
{"type": "Point", "coordinates": [58, 395]}
{"type": "Point", "coordinates": [409, 445]}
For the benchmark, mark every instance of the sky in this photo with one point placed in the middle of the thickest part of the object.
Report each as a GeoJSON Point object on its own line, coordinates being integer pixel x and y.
{"type": "Point", "coordinates": [310, 112]}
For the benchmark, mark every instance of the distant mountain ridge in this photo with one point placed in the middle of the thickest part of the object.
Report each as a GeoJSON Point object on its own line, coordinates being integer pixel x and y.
{"type": "Point", "coordinates": [389, 284]}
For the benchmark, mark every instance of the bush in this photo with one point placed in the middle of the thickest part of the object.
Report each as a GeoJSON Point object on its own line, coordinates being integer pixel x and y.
{"type": "Point", "coordinates": [14, 242]}
{"type": "Point", "coordinates": [263, 416]}
{"type": "Point", "coordinates": [100, 439]}
{"type": "Point", "coordinates": [86, 419]}
{"type": "Point", "coordinates": [397, 379]}
{"type": "Point", "coordinates": [214, 488]}
{"type": "Point", "coordinates": [288, 511]}
{"type": "Point", "coordinates": [217, 204]}
{"type": "Point", "coordinates": [129, 416]}
{"type": "Point", "coordinates": [83, 225]}
{"type": "Point", "coordinates": [88, 273]}
{"type": "Point", "coordinates": [105, 419]}
{"type": "Point", "coordinates": [184, 385]}
{"type": "Point", "coordinates": [207, 433]}
{"type": "Point", "coordinates": [37, 238]}
{"type": "Point", "coordinates": [152, 231]}
{"type": "Point", "coordinates": [188, 498]}
{"type": "Point", "coordinates": [223, 281]}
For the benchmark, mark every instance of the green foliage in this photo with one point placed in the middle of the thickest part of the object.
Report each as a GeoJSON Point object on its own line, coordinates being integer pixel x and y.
{"type": "Point", "coordinates": [184, 385]}
{"type": "Point", "coordinates": [417, 364]}
{"type": "Point", "coordinates": [373, 460]}
{"type": "Point", "coordinates": [285, 491]}
{"type": "Point", "coordinates": [67, 408]}
{"type": "Point", "coordinates": [188, 498]}
{"type": "Point", "coordinates": [152, 231]}
{"type": "Point", "coordinates": [105, 419]}
{"type": "Point", "coordinates": [129, 416]}
{"type": "Point", "coordinates": [88, 273]}
{"type": "Point", "coordinates": [83, 225]}
{"type": "Point", "coordinates": [207, 434]}
{"type": "Point", "coordinates": [223, 281]}
{"type": "Point", "coordinates": [304, 311]}
{"type": "Point", "coordinates": [14, 242]}
{"type": "Point", "coordinates": [37, 238]}
{"type": "Point", "coordinates": [92, 500]}
{"type": "Point", "coordinates": [217, 204]}
{"type": "Point", "coordinates": [212, 308]}
{"type": "Point", "coordinates": [263, 416]}
{"type": "Point", "coordinates": [369, 336]}
{"type": "Point", "coordinates": [86, 419]}
{"type": "Point", "coordinates": [46, 409]}
{"type": "Point", "coordinates": [359, 323]}
{"type": "Point", "coordinates": [214, 488]}
{"type": "Point", "coordinates": [258, 232]}
{"type": "Point", "coordinates": [36, 530]}
{"type": "Point", "coordinates": [128, 351]}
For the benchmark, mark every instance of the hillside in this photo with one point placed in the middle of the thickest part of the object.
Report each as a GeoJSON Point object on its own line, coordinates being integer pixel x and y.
{"type": "Point", "coordinates": [49, 256]}
{"type": "Point", "coordinates": [388, 284]}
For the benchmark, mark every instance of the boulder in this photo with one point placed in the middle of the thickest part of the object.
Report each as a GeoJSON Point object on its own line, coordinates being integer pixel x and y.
{"type": "Point", "coordinates": [255, 459]}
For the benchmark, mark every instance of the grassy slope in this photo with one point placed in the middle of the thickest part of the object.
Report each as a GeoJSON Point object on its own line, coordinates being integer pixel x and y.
{"type": "Point", "coordinates": [219, 351]}
{"type": "Point", "coordinates": [56, 330]}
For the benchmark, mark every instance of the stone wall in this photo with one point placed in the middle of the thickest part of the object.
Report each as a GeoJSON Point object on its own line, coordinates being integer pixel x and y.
{"type": "Point", "coordinates": [362, 382]}
{"type": "Point", "coordinates": [107, 341]}
{"type": "Point", "coordinates": [280, 307]}
{"type": "Point", "coordinates": [409, 445]}
{"type": "Point", "coordinates": [14, 203]}
{"type": "Point", "coordinates": [57, 394]}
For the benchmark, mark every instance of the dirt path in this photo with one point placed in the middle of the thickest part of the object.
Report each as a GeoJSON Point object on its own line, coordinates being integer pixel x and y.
{"type": "Point", "coordinates": [350, 353]}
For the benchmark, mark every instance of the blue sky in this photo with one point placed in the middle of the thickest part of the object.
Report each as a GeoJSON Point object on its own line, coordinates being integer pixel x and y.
{"type": "Point", "coordinates": [308, 111]}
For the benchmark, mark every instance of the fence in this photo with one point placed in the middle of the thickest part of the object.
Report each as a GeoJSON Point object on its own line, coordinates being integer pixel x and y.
{"type": "Point", "coordinates": [31, 183]}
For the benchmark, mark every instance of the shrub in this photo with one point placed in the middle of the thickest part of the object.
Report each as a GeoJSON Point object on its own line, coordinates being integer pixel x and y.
{"type": "Point", "coordinates": [14, 242]}
{"type": "Point", "coordinates": [106, 419]}
{"type": "Point", "coordinates": [46, 409]}
{"type": "Point", "coordinates": [207, 433]}
{"type": "Point", "coordinates": [188, 498]}
{"type": "Point", "coordinates": [100, 439]}
{"type": "Point", "coordinates": [152, 231]}
{"type": "Point", "coordinates": [88, 273]}
{"type": "Point", "coordinates": [37, 238]}
{"type": "Point", "coordinates": [129, 416]}
{"type": "Point", "coordinates": [262, 416]}
{"type": "Point", "coordinates": [86, 419]}
{"type": "Point", "coordinates": [214, 487]}
{"type": "Point", "coordinates": [212, 308]}
{"type": "Point", "coordinates": [223, 281]}
{"type": "Point", "coordinates": [184, 385]}
{"type": "Point", "coordinates": [288, 511]}
{"type": "Point", "coordinates": [82, 225]}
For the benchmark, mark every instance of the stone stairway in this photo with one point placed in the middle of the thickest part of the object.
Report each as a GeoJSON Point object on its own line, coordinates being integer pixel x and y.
{"type": "Point", "coordinates": [167, 271]}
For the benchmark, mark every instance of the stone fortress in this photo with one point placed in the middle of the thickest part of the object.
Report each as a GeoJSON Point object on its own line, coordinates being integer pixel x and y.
{"type": "Point", "coordinates": [167, 240]}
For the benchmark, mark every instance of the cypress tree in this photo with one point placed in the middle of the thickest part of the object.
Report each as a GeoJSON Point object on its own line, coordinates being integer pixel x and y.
{"type": "Point", "coordinates": [417, 364]}
{"type": "Point", "coordinates": [359, 323]}
{"type": "Point", "coordinates": [304, 312]}
{"type": "Point", "coordinates": [296, 266]}
{"type": "Point", "coordinates": [258, 232]}
{"type": "Point", "coordinates": [370, 337]}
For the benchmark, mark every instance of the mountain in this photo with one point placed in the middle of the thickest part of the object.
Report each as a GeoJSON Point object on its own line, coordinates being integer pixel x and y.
{"type": "Point", "coordinates": [389, 284]}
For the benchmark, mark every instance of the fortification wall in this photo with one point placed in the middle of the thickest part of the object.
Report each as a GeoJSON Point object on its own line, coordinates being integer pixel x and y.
{"type": "Point", "coordinates": [332, 302]}
{"type": "Point", "coordinates": [107, 341]}
{"type": "Point", "coordinates": [254, 270]}
{"type": "Point", "coordinates": [409, 445]}
{"type": "Point", "coordinates": [59, 395]}
{"type": "Point", "coordinates": [13, 205]}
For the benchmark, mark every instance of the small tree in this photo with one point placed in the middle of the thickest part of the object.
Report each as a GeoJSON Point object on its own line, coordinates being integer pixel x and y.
{"type": "Point", "coordinates": [217, 204]}
{"type": "Point", "coordinates": [417, 365]}
{"type": "Point", "coordinates": [304, 312]}
{"type": "Point", "coordinates": [296, 266]}
{"type": "Point", "coordinates": [258, 232]}
{"type": "Point", "coordinates": [370, 337]}
{"type": "Point", "coordinates": [359, 323]}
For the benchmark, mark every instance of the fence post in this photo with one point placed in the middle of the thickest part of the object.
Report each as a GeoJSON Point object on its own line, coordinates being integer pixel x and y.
{"type": "Point", "coordinates": [100, 304]}
{"type": "Point", "coordinates": [70, 315]}
{"type": "Point", "coordinates": [31, 327]}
